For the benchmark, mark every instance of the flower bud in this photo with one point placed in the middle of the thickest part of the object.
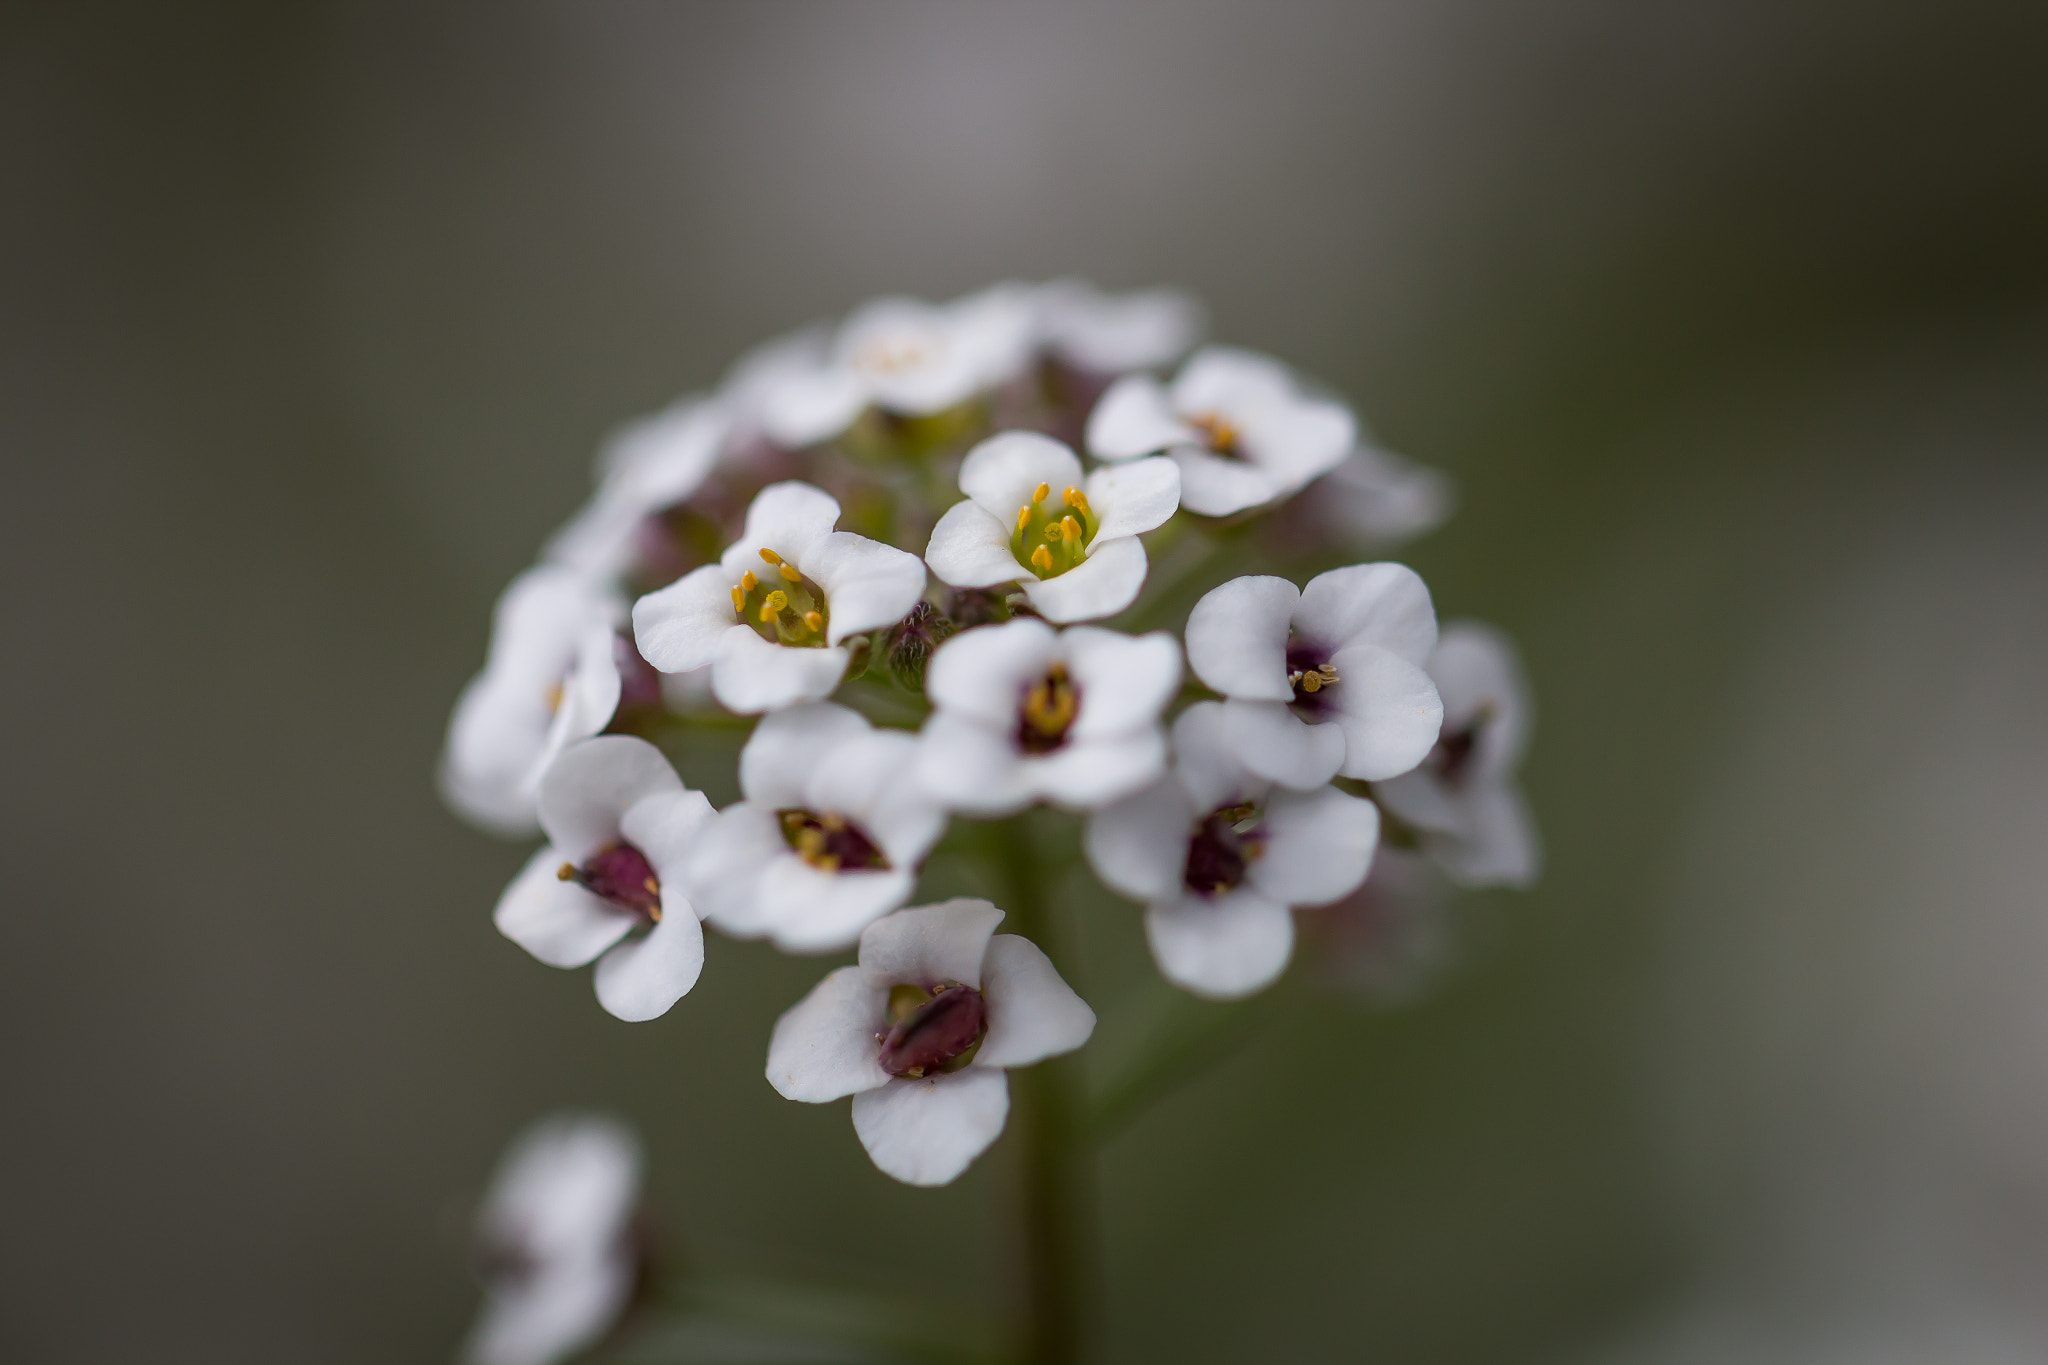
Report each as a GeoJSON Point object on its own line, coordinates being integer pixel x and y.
{"type": "Point", "coordinates": [969, 607]}
{"type": "Point", "coordinates": [908, 645]}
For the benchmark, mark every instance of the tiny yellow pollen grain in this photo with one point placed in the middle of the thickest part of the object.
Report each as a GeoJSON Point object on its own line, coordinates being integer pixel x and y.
{"type": "Point", "coordinates": [1044, 492]}
{"type": "Point", "coordinates": [770, 556]}
{"type": "Point", "coordinates": [814, 620]}
{"type": "Point", "coordinates": [789, 572]}
{"type": "Point", "coordinates": [566, 872]}
{"type": "Point", "coordinates": [748, 582]}
{"type": "Point", "coordinates": [1041, 558]}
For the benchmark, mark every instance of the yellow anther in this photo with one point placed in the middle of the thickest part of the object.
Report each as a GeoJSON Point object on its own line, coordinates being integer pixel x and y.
{"type": "Point", "coordinates": [815, 620]}
{"type": "Point", "coordinates": [1076, 499]}
{"type": "Point", "coordinates": [1069, 528]}
{"type": "Point", "coordinates": [775, 601]}
{"type": "Point", "coordinates": [767, 614]}
{"type": "Point", "coordinates": [1044, 492]}
{"type": "Point", "coordinates": [1041, 559]}
{"type": "Point", "coordinates": [748, 582]}
{"type": "Point", "coordinates": [1023, 517]}
{"type": "Point", "coordinates": [789, 572]}
{"type": "Point", "coordinates": [739, 600]}
{"type": "Point", "coordinates": [771, 556]}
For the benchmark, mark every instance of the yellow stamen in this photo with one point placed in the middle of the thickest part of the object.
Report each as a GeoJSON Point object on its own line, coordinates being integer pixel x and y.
{"type": "Point", "coordinates": [1069, 528]}
{"type": "Point", "coordinates": [775, 601]}
{"type": "Point", "coordinates": [566, 872]}
{"type": "Point", "coordinates": [1041, 559]}
{"type": "Point", "coordinates": [815, 620]}
{"type": "Point", "coordinates": [789, 573]}
{"type": "Point", "coordinates": [1044, 492]}
{"type": "Point", "coordinates": [1023, 517]}
{"type": "Point", "coordinates": [1076, 499]}
{"type": "Point", "coordinates": [748, 582]}
{"type": "Point", "coordinates": [771, 556]}
{"type": "Point", "coordinates": [739, 600]}
{"type": "Point", "coordinates": [767, 614]}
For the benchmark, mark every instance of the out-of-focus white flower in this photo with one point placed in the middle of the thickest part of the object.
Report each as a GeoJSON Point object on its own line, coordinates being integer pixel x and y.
{"type": "Point", "coordinates": [827, 838]}
{"type": "Point", "coordinates": [1463, 797]}
{"type": "Point", "coordinates": [621, 826]}
{"type": "Point", "coordinates": [770, 615]}
{"type": "Point", "coordinates": [645, 467]}
{"type": "Point", "coordinates": [1109, 334]}
{"type": "Point", "coordinates": [551, 677]}
{"type": "Point", "coordinates": [1377, 498]}
{"type": "Point", "coordinates": [920, 1032]}
{"type": "Point", "coordinates": [556, 1239]}
{"type": "Point", "coordinates": [1219, 858]}
{"type": "Point", "coordinates": [1031, 518]}
{"type": "Point", "coordinates": [1023, 713]}
{"type": "Point", "coordinates": [1237, 424]}
{"type": "Point", "coordinates": [901, 355]}
{"type": "Point", "coordinates": [1322, 680]}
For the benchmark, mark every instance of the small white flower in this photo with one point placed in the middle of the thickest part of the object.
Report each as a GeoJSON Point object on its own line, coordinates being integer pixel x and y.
{"type": "Point", "coordinates": [1108, 334]}
{"type": "Point", "coordinates": [920, 1032]}
{"type": "Point", "coordinates": [621, 826]}
{"type": "Point", "coordinates": [1325, 680]}
{"type": "Point", "coordinates": [827, 838]}
{"type": "Point", "coordinates": [770, 615]}
{"type": "Point", "coordinates": [556, 1240]}
{"type": "Point", "coordinates": [1377, 498]}
{"type": "Point", "coordinates": [1237, 424]}
{"type": "Point", "coordinates": [1219, 857]}
{"type": "Point", "coordinates": [1022, 713]}
{"type": "Point", "coordinates": [1463, 797]}
{"type": "Point", "coordinates": [552, 676]}
{"type": "Point", "coordinates": [902, 355]}
{"type": "Point", "coordinates": [646, 467]}
{"type": "Point", "coordinates": [1031, 518]}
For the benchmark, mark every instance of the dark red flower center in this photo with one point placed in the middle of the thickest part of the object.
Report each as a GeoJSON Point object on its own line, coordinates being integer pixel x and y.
{"type": "Point", "coordinates": [936, 1030]}
{"type": "Point", "coordinates": [829, 842]}
{"type": "Point", "coordinates": [620, 874]}
{"type": "Point", "coordinates": [1222, 849]}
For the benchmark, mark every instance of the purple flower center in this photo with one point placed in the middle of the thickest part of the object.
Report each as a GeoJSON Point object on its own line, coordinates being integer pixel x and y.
{"type": "Point", "coordinates": [1220, 851]}
{"type": "Point", "coordinates": [620, 874]}
{"type": "Point", "coordinates": [829, 842]}
{"type": "Point", "coordinates": [1048, 712]}
{"type": "Point", "coordinates": [932, 1031]}
{"type": "Point", "coordinates": [1312, 676]}
{"type": "Point", "coordinates": [1451, 759]}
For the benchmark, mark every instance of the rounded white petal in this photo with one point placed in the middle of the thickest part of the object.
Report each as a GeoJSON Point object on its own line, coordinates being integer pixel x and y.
{"type": "Point", "coordinates": [1479, 676]}
{"type": "Point", "coordinates": [566, 1189]}
{"type": "Point", "coordinates": [1226, 379]}
{"type": "Point", "coordinates": [1101, 585]}
{"type": "Point", "coordinates": [1134, 418]}
{"type": "Point", "coordinates": [750, 675]}
{"type": "Point", "coordinates": [667, 827]}
{"type": "Point", "coordinates": [1222, 948]}
{"type": "Point", "coordinates": [984, 672]}
{"type": "Point", "coordinates": [1237, 637]}
{"type": "Point", "coordinates": [587, 792]}
{"type": "Point", "coordinates": [1319, 846]}
{"type": "Point", "coordinates": [724, 869]}
{"type": "Point", "coordinates": [1207, 763]}
{"type": "Point", "coordinates": [677, 628]}
{"type": "Point", "coordinates": [997, 329]}
{"type": "Point", "coordinates": [1004, 471]}
{"type": "Point", "coordinates": [802, 407]}
{"type": "Point", "coordinates": [970, 548]}
{"type": "Point", "coordinates": [1498, 846]}
{"type": "Point", "coordinates": [926, 1132]}
{"type": "Point", "coordinates": [824, 1046]}
{"type": "Point", "coordinates": [553, 1315]}
{"type": "Point", "coordinates": [1377, 604]}
{"type": "Point", "coordinates": [1125, 681]}
{"type": "Point", "coordinates": [1139, 845]}
{"type": "Point", "coordinates": [1421, 797]}
{"type": "Point", "coordinates": [870, 779]}
{"type": "Point", "coordinates": [1296, 441]}
{"type": "Point", "coordinates": [641, 978]}
{"type": "Point", "coordinates": [1216, 486]}
{"type": "Point", "coordinates": [867, 584]}
{"type": "Point", "coordinates": [1085, 773]}
{"type": "Point", "coordinates": [1269, 739]}
{"type": "Point", "coordinates": [929, 944]}
{"type": "Point", "coordinates": [810, 910]}
{"type": "Point", "coordinates": [967, 765]}
{"type": "Point", "coordinates": [590, 694]}
{"type": "Point", "coordinates": [788, 518]}
{"type": "Point", "coordinates": [558, 922]}
{"type": "Point", "coordinates": [1113, 333]}
{"type": "Point", "coordinates": [1388, 709]}
{"type": "Point", "coordinates": [1133, 498]}
{"type": "Point", "coordinates": [1032, 1012]}
{"type": "Point", "coordinates": [1378, 497]}
{"type": "Point", "coordinates": [786, 748]}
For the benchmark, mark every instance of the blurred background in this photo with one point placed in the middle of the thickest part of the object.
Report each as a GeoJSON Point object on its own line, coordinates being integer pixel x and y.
{"type": "Point", "coordinates": [1730, 321]}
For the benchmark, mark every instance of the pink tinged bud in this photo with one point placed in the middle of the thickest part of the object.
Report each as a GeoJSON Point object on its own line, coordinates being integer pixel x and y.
{"type": "Point", "coordinates": [937, 1034]}
{"type": "Point", "coordinates": [620, 874]}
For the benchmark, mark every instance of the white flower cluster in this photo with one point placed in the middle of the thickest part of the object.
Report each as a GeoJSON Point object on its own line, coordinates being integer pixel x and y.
{"type": "Point", "coordinates": [881, 539]}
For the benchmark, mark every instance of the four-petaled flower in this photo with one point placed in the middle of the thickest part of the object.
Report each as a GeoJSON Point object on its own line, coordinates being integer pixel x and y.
{"type": "Point", "coordinates": [828, 838]}
{"type": "Point", "coordinates": [920, 1032]}
{"type": "Point", "coordinates": [1463, 796]}
{"type": "Point", "coordinates": [1325, 680]}
{"type": "Point", "coordinates": [1024, 713]}
{"type": "Point", "coordinates": [1219, 856]}
{"type": "Point", "coordinates": [552, 676]}
{"type": "Point", "coordinates": [1237, 423]}
{"type": "Point", "coordinates": [1110, 334]}
{"type": "Point", "coordinates": [620, 826]}
{"type": "Point", "coordinates": [1031, 518]}
{"type": "Point", "coordinates": [556, 1242]}
{"type": "Point", "coordinates": [770, 616]}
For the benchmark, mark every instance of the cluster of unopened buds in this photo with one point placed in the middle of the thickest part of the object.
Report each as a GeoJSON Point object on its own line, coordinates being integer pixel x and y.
{"type": "Point", "coordinates": [940, 551]}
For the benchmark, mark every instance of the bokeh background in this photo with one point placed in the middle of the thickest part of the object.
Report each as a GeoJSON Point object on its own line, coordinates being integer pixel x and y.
{"type": "Point", "coordinates": [1730, 321]}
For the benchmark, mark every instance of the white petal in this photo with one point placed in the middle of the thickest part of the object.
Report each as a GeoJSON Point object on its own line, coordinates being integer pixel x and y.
{"type": "Point", "coordinates": [967, 765]}
{"type": "Point", "coordinates": [641, 978]}
{"type": "Point", "coordinates": [750, 675]}
{"type": "Point", "coordinates": [805, 406]}
{"type": "Point", "coordinates": [984, 672]}
{"type": "Point", "coordinates": [1297, 440]}
{"type": "Point", "coordinates": [658, 461]}
{"type": "Point", "coordinates": [1207, 763]}
{"type": "Point", "coordinates": [825, 1045]}
{"type": "Point", "coordinates": [869, 779]}
{"type": "Point", "coordinates": [1224, 379]}
{"type": "Point", "coordinates": [1377, 497]}
{"type": "Point", "coordinates": [1421, 797]}
{"type": "Point", "coordinates": [1101, 585]}
{"type": "Point", "coordinates": [788, 518]}
{"type": "Point", "coordinates": [1032, 1012]}
{"type": "Point", "coordinates": [1498, 846]}
{"type": "Point", "coordinates": [1139, 845]}
{"type": "Point", "coordinates": [1134, 418]}
{"type": "Point", "coordinates": [929, 944]}
{"type": "Point", "coordinates": [1133, 498]}
{"type": "Point", "coordinates": [591, 786]}
{"type": "Point", "coordinates": [723, 874]}
{"type": "Point", "coordinates": [970, 548]}
{"type": "Point", "coordinates": [810, 910]}
{"type": "Point", "coordinates": [566, 1189]}
{"type": "Point", "coordinates": [1216, 485]}
{"type": "Point", "coordinates": [1237, 637]}
{"type": "Point", "coordinates": [926, 1132]}
{"type": "Point", "coordinates": [1221, 948]}
{"type": "Point", "coordinates": [867, 584]}
{"type": "Point", "coordinates": [1004, 471]}
{"type": "Point", "coordinates": [1085, 773]}
{"type": "Point", "coordinates": [1378, 604]}
{"type": "Point", "coordinates": [1125, 681]}
{"type": "Point", "coordinates": [1319, 846]}
{"type": "Point", "coordinates": [1388, 709]}
{"type": "Point", "coordinates": [1280, 746]}
{"type": "Point", "coordinates": [779, 758]}
{"type": "Point", "coordinates": [552, 1316]}
{"type": "Point", "coordinates": [1479, 676]}
{"type": "Point", "coordinates": [590, 694]}
{"type": "Point", "coordinates": [558, 922]}
{"type": "Point", "coordinates": [667, 828]}
{"type": "Point", "coordinates": [678, 627]}
{"type": "Point", "coordinates": [1114, 333]}
{"type": "Point", "coordinates": [997, 329]}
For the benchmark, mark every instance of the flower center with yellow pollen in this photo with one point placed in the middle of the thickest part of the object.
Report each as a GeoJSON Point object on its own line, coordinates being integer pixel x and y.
{"type": "Point", "coordinates": [1048, 712]}
{"type": "Point", "coordinates": [620, 874]}
{"type": "Point", "coordinates": [932, 1030]}
{"type": "Point", "coordinates": [780, 604]}
{"type": "Point", "coordinates": [1222, 849]}
{"type": "Point", "coordinates": [1052, 536]}
{"type": "Point", "coordinates": [1219, 433]}
{"type": "Point", "coordinates": [830, 842]}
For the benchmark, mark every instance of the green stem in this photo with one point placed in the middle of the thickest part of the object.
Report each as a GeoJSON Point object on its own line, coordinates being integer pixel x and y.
{"type": "Point", "coordinates": [1058, 1242]}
